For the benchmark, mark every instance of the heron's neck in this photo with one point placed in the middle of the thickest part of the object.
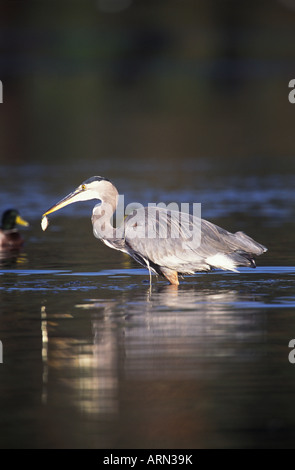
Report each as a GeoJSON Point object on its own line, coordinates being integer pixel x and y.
{"type": "Point", "coordinates": [102, 215]}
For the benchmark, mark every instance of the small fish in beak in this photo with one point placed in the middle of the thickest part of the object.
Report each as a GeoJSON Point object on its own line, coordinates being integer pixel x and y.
{"type": "Point", "coordinates": [44, 223]}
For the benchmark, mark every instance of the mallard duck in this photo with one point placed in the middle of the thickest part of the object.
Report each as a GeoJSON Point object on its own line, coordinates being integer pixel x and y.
{"type": "Point", "coordinates": [10, 238]}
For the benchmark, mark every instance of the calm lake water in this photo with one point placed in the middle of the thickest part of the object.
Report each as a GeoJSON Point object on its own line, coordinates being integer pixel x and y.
{"type": "Point", "coordinates": [94, 358]}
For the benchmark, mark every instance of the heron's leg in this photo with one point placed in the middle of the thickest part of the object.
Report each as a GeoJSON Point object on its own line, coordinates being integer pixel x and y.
{"type": "Point", "coordinates": [171, 275]}
{"type": "Point", "coordinates": [150, 272]}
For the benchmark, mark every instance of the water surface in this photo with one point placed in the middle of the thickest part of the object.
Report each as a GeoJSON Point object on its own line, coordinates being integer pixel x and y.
{"type": "Point", "coordinates": [95, 358]}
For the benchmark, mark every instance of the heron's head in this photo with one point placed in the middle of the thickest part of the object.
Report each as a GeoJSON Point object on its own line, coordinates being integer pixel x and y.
{"type": "Point", "coordinates": [96, 187]}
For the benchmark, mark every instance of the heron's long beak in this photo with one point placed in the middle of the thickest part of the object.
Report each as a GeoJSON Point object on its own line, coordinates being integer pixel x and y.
{"type": "Point", "coordinates": [20, 221]}
{"type": "Point", "coordinates": [69, 199]}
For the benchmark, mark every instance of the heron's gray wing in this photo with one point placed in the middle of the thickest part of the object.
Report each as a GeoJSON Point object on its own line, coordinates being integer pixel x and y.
{"type": "Point", "coordinates": [186, 243]}
{"type": "Point", "coordinates": [216, 239]}
{"type": "Point", "coordinates": [155, 235]}
{"type": "Point", "coordinates": [226, 250]}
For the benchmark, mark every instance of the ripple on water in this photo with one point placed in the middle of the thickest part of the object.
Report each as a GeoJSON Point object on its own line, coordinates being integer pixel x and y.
{"type": "Point", "coordinates": [265, 283]}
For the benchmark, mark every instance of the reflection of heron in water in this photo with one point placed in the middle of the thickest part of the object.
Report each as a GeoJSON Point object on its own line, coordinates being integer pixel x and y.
{"type": "Point", "coordinates": [169, 255]}
{"type": "Point", "coordinates": [10, 238]}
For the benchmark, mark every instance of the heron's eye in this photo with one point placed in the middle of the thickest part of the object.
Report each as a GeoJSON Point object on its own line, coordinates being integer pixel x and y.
{"type": "Point", "coordinates": [83, 187]}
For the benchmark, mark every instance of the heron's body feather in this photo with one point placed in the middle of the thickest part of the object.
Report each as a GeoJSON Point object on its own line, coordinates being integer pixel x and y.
{"type": "Point", "coordinates": [187, 252]}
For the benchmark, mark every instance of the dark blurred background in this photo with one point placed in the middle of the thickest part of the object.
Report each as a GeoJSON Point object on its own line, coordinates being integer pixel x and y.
{"type": "Point", "coordinates": [146, 80]}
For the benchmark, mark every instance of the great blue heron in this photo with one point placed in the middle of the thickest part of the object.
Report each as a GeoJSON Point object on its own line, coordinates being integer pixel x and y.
{"type": "Point", "coordinates": [170, 255]}
{"type": "Point", "coordinates": [10, 238]}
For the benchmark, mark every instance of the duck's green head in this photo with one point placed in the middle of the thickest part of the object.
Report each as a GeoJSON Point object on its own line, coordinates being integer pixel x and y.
{"type": "Point", "coordinates": [11, 218]}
